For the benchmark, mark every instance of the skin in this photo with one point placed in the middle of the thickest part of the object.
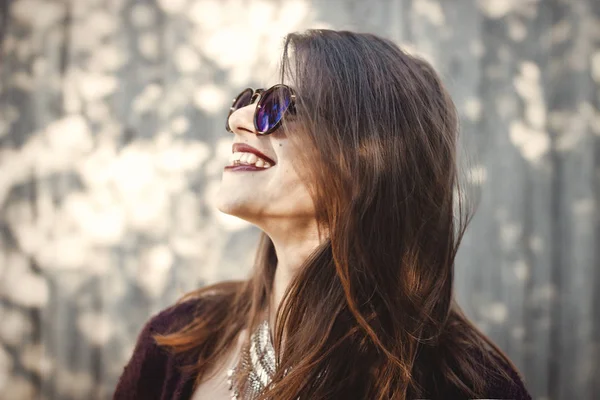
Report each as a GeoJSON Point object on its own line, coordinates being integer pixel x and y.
{"type": "Point", "coordinates": [275, 200]}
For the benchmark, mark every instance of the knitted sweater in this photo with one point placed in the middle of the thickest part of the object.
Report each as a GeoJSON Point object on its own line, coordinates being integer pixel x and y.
{"type": "Point", "coordinates": [153, 373]}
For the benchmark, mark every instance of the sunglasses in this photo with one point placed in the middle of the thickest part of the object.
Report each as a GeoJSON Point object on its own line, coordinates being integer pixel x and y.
{"type": "Point", "coordinates": [273, 104]}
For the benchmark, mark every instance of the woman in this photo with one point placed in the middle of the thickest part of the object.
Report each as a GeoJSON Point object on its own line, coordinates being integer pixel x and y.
{"type": "Point", "coordinates": [349, 169]}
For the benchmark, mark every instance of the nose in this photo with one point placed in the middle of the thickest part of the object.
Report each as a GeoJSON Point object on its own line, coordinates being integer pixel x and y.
{"type": "Point", "coordinates": [241, 120]}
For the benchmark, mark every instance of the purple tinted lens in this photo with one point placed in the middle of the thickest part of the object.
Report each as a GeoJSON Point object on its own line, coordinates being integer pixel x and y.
{"type": "Point", "coordinates": [243, 99]}
{"type": "Point", "coordinates": [273, 105]}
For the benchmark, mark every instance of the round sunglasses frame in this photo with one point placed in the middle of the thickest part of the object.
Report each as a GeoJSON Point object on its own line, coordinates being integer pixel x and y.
{"type": "Point", "coordinates": [263, 94]}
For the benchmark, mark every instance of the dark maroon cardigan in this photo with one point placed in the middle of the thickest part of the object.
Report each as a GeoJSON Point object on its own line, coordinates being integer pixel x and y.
{"type": "Point", "coordinates": [154, 373]}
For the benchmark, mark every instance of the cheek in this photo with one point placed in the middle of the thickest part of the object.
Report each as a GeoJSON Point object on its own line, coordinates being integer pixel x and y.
{"type": "Point", "coordinates": [286, 177]}
{"type": "Point", "coordinates": [292, 174]}
{"type": "Point", "coordinates": [289, 190]}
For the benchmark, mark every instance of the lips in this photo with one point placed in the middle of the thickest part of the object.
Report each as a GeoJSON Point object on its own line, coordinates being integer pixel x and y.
{"type": "Point", "coordinates": [246, 148]}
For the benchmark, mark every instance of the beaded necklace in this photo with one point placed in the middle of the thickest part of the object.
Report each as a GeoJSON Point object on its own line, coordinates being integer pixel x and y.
{"type": "Point", "coordinates": [259, 359]}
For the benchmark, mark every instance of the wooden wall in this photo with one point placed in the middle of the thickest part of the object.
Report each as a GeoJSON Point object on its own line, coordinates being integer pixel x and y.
{"type": "Point", "coordinates": [112, 143]}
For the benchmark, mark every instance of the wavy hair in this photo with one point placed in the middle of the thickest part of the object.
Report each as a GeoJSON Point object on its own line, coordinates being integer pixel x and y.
{"type": "Point", "coordinates": [371, 313]}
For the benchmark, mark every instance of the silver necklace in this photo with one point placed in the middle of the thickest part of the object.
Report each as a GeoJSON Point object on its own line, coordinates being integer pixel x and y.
{"type": "Point", "coordinates": [259, 359]}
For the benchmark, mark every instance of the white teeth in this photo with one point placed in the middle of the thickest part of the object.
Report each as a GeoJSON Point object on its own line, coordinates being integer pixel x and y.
{"type": "Point", "coordinates": [248, 158]}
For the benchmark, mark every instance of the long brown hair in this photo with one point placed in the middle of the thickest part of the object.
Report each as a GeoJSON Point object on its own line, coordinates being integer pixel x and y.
{"type": "Point", "coordinates": [371, 313]}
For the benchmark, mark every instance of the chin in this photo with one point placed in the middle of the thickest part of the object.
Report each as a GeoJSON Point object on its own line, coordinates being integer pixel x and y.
{"type": "Point", "coordinates": [229, 207]}
{"type": "Point", "coordinates": [236, 207]}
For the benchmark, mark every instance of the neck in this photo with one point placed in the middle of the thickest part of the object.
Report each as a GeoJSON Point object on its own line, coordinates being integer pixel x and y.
{"type": "Point", "coordinates": [294, 242]}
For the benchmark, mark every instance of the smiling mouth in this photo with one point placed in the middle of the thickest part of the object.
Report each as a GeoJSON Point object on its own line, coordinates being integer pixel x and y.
{"type": "Point", "coordinates": [243, 161]}
{"type": "Point", "coordinates": [243, 158]}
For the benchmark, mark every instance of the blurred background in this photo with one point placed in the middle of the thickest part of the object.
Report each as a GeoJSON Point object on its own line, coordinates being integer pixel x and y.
{"type": "Point", "coordinates": [112, 145]}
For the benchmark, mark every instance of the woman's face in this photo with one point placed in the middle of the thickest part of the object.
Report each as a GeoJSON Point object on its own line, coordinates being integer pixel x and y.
{"type": "Point", "coordinates": [261, 195]}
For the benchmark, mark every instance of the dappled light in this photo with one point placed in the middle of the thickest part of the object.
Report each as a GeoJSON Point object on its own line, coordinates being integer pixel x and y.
{"type": "Point", "coordinates": [113, 142]}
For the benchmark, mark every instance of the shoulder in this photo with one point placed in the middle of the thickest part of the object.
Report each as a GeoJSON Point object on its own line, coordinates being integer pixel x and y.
{"type": "Point", "coordinates": [501, 378]}
{"type": "Point", "coordinates": [173, 317]}
{"type": "Point", "coordinates": [470, 359]}
{"type": "Point", "coordinates": [193, 305]}
{"type": "Point", "coordinates": [507, 383]}
{"type": "Point", "coordinates": [149, 364]}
